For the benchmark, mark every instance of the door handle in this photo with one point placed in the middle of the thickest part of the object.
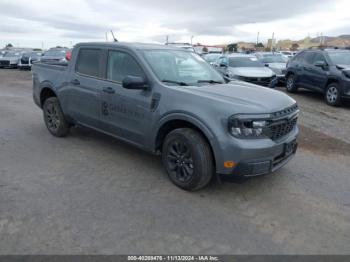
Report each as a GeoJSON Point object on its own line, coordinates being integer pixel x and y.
{"type": "Point", "coordinates": [75, 82]}
{"type": "Point", "coordinates": [108, 90]}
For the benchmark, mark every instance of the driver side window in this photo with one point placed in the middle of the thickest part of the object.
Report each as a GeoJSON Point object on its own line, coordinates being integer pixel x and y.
{"type": "Point", "coordinates": [120, 65]}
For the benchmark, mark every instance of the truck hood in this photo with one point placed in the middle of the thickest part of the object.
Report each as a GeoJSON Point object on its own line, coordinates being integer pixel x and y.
{"type": "Point", "coordinates": [252, 71]}
{"type": "Point", "coordinates": [246, 98]}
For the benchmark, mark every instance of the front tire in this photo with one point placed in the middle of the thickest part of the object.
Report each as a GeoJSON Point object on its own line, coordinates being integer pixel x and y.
{"type": "Point", "coordinates": [54, 118]}
{"type": "Point", "coordinates": [187, 159]}
{"type": "Point", "coordinates": [290, 84]}
{"type": "Point", "coordinates": [333, 95]}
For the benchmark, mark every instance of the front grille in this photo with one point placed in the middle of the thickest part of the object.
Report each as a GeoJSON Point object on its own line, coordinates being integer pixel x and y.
{"type": "Point", "coordinates": [283, 122]}
{"type": "Point", "coordinates": [278, 131]}
{"type": "Point", "coordinates": [4, 63]}
{"type": "Point", "coordinates": [25, 60]}
{"type": "Point", "coordinates": [262, 81]}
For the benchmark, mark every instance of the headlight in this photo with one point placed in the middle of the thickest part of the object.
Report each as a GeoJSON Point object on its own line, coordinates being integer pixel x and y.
{"type": "Point", "coordinates": [241, 126]}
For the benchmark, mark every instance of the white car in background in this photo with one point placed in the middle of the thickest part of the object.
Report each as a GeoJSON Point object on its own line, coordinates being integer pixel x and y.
{"type": "Point", "coordinates": [276, 62]}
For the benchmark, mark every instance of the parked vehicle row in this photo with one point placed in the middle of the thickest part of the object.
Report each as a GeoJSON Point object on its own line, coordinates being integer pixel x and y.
{"type": "Point", "coordinates": [322, 70]}
{"type": "Point", "coordinates": [23, 59]}
{"type": "Point", "coordinates": [169, 101]}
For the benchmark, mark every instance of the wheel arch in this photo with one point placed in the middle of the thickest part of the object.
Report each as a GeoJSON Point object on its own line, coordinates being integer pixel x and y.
{"type": "Point", "coordinates": [176, 121]}
{"type": "Point", "coordinates": [330, 81]}
{"type": "Point", "coordinates": [46, 92]}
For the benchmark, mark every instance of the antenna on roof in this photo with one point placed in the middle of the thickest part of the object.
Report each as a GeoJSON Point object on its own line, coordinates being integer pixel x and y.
{"type": "Point", "coordinates": [115, 39]}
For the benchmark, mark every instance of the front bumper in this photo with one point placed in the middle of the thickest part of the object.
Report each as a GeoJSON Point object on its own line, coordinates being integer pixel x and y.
{"type": "Point", "coordinates": [257, 157]}
{"type": "Point", "coordinates": [26, 66]}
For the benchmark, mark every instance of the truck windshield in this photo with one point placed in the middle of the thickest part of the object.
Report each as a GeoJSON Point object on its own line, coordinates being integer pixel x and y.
{"type": "Point", "coordinates": [176, 67]}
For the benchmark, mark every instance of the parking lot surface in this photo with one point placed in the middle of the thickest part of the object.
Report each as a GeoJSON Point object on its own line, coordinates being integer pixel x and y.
{"type": "Point", "coordinates": [91, 194]}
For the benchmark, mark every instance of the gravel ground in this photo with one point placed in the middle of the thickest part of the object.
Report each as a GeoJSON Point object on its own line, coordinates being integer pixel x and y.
{"type": "Point", "coordinates": [91, 194]}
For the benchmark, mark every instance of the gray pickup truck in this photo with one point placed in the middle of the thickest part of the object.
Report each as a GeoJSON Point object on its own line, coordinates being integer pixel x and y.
{"type": "Point", "coordinates": [169, 101]}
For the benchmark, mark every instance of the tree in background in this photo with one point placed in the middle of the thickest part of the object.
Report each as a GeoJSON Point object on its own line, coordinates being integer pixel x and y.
{"type": "Point", "coordinates": [259, 45]}
{"type": "Point", "coordinates": [205, 49]}
{"type": "Point", "coordinates": [9, 45]}
{"type": "Point", "coordinates": [294, 47]}
{"type": "Point", "coordinates": [232, 48]}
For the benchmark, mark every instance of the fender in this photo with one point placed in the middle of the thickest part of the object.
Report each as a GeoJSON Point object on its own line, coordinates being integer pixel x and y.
{"type": "Point", "coordinates": [185, 116]}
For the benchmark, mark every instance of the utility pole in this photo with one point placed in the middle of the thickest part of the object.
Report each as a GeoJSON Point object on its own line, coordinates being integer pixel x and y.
{"type": "Point", "coordinates": [257, 38]}
{"type": "Point", "coordinates": [191, 39]}
{"type": "Point", "coordinates": [272, 40]}
{"type": "Point", "coordinates": [167, 39]}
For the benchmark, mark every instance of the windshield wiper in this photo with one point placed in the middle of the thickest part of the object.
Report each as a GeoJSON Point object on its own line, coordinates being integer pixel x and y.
{"type": "Point", "coordinates": [174, 82]}
{"type": "Point", "coordinates": [210, 81]}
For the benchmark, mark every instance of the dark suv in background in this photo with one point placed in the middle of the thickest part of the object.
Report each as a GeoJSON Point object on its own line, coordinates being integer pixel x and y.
{"type": "Point", "coordinates": [322, 70]}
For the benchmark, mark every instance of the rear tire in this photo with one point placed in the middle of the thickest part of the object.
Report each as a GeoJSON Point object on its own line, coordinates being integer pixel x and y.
{"type": "Point", "coordinates": [290, 84]}
{"type": "Point", "coordinates": [333, 95]}
{"type": "Point", "coordinates": [187, 159]}
{"type": "Point", "coordinates": [54, 118]}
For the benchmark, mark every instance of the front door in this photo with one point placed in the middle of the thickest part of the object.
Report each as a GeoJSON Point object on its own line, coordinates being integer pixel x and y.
{"type": "Point", "coordinates": [319, 75]}
{"type": "Point", "coordinates": [124, 112]}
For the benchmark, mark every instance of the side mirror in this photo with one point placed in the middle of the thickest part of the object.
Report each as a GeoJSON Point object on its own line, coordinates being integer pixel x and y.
{"type": "Point", "coordinates": [267, 65]}
{"type": "Point", "coordinates": [321, 64]}
{"type": "Point", "coordinates": [134, 82]}
{"type": "Point", "coordinates": [223, 65]}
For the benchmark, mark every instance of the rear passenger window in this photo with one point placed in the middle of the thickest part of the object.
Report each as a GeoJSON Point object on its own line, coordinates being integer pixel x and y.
{"type": "Point", "coordinates": [120, 65]}
{"type": "Point", "coordinates": [309, 57]}
{"type": "Point", "coordinates": [89, 62]}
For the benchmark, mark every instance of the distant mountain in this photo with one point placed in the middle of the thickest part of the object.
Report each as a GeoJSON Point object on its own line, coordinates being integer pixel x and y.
{"type": "Point", "coordinates": [340, 41]}
{"type": "Point", "coordinates": [345, 37]}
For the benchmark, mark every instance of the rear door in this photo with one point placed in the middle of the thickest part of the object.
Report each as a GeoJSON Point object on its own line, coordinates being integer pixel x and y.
{"type": "Point", "coordinates": [125, 112]}
{"type": "Point", "coordinates": [83, 91]}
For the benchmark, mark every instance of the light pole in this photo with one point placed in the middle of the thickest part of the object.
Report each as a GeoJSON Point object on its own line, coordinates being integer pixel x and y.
{"type": "Point", "coordinates": [192, 39]}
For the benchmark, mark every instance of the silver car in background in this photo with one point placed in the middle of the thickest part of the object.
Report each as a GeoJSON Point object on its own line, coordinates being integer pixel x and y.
{"type": "Point", "coordinates": [10, 59]}
{"type": "Point", "coordinates": [246, 68]}
{"type": "Point", "coordinates": [211, 58]}
{"type": "Point", "coordinates": [276, 62]}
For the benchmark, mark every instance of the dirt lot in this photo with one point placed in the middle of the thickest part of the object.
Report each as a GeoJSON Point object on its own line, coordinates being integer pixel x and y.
{"type": "Point", "coordinates": [89, 193]}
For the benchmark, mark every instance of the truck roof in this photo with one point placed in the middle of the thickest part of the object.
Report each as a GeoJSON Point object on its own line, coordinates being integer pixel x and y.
{"type": "Point", "coordinates": [136, 46]}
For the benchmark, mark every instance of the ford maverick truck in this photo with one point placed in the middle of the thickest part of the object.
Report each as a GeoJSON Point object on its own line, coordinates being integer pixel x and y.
{"type": "Point", "coordinates": [169, 101]}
